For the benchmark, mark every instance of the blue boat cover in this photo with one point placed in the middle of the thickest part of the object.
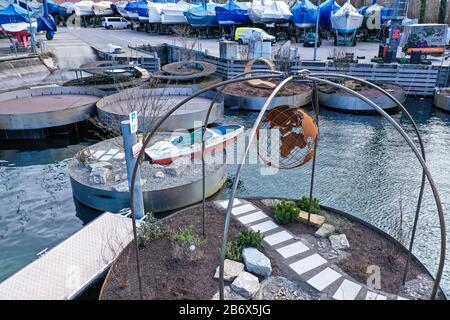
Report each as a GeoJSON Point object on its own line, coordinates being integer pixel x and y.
{"type": "Point", "coordinates": [199, 16]}
{"type": "Point", "coordinates": [13, 14]}
{"type": "Point", "coordinates": [142, 8]}
{"type": "Point", "coordinates": [53, 8]}
{"type": "Point", "coordinates": [326, 9]}
{"type": "Point", "coordinates": [304, 13]}
{"type": "Point", "coordinates": [134, 5]}
{"type": "Point", "coordinates": [232, 12]}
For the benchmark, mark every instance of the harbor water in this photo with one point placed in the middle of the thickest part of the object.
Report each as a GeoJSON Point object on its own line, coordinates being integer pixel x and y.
{"type": "Point", "coordinates": [363, 167]}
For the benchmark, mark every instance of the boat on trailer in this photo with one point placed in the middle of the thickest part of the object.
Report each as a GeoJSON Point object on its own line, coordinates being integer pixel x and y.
{"type": "Point", "coordinates": [102, 9]}
{"type": "Point", "coordinates": [173, 13]}
{"type": "Point", "coordinates": [66, 9]}
{"type": "Point", "coordinates": [14, 20]}
{"type": "Point", "coordinates": [304, 14]}
{"type": "Point", "coordinates": [190, 144]}
{"type": "Point", "coordinates": [84, 8]}
{"type": "Point", "coordinates": [232, 13]}
{"type": "Point", "coordinates": [268, 12]}
{"type": "Point", "coordinates": [347, 19]}
{"type": "Point", "coordinates": [154, 11]}
{"type": "Point", "coordinates": [202, 16]}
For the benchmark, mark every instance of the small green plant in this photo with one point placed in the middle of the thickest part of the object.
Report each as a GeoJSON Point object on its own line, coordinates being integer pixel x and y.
{"type": "Point", "coordinates": [233, 251]}
{"type": "Point", "coordinates": [249, 238]}
{"type": "Point", "coordinates": [83, 156]}
{"type": "Point", "coordinates": [303, 204]}
{"type": "Point", "coordinates": [152, 229]}
{"type": "Point", "coordinates": [186, 237]}
{"type": "Point", "coordinates": [286, 212]}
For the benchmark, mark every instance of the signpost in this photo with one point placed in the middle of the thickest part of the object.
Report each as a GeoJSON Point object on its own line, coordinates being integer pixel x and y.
{"type": "Point", "coordinates": [133, 122]}
{"type": "Point", "coordinates": [131, 149]}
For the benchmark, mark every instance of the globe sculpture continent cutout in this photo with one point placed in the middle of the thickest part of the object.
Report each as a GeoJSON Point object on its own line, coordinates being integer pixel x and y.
{"type": "Point", "coordinates": [286, 137]}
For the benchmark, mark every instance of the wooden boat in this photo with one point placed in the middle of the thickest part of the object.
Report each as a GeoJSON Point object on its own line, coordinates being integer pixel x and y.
{"type": "Point", "coordinates": [190, 144]}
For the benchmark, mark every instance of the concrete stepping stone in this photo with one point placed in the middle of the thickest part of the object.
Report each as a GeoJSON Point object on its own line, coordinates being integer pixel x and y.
{"type": "Point", "coordinates": [309, 263]}
{"type": "Point", "coordinates": [292, 249]}
{"type": "Point", "coordinates": [106, 157]}
{"type": "Point", "coordinates": [264, 226]}
{"type": "Point", "coordinates": [112, 151]}
{"type": "Point", "coordinates": [279, 237]}
{"type": "Point", "coordinates": [375, 296]}
{"type": "Point", "coordinates": [324, 279]}
{"type": "Point", "coordinates": [119, 156]}
{"type": "Point", "coordinates": [97, 154]}
{"type": "Point", "coordinates": [252, 217]}
{"type": "Point", "coordinates": [347, 291]}
{"type": "Point", "coordinates": [242, 209]}
{"type": "Point", "coordinates": [224, 204]}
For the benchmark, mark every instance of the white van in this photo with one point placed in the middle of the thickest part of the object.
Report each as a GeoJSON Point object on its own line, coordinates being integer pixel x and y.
{"type": "Point", "coordinates": [115, 23]}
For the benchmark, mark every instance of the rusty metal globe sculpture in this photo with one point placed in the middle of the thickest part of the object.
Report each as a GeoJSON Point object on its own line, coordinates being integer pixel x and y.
{"type": "Point", "coordinates": [286, 137]}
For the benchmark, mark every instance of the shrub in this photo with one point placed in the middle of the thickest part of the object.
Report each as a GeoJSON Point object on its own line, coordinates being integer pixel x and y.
{"type": "Point", "coordinates": [152, 229]}
{"type": "Point", "coordinates": [233, 251]}
{"type": "Point", "coordinates": [303, 204]}
{"type": "Point", "coordinates": [286, 212]}
{"type": "Point", "coordinates": [186, 237]}
{"type": "Point", "coordinates": [249, 238]}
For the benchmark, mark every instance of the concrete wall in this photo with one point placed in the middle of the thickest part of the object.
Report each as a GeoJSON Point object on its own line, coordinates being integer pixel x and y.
{"type": "Point", "coordinates": [17, 73]}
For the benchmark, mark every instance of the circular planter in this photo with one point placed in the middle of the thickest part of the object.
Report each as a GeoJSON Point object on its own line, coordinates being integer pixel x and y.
{"type": "Point", "coordinates": [342, 101]}
{"type": "Point", "coordinates": [441, 99]}
{"type": "Point", "coordinates": [42, 108]}
{"type": "Point", "coordinates": [115, 108]}
{"type": "Point", "coordinates": [160, 193]}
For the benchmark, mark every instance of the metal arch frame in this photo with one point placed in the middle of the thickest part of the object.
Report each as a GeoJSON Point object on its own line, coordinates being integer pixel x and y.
{"type": "Point", "coordinates": [422, 149]}
{"type": "Point", "coordinates": [304, 74]}
{"type": "Point", "coordinates": [267, 74]}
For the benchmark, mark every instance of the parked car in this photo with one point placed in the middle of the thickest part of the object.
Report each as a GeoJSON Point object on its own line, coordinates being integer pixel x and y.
{"type": "Point", "coordinates": [244, 34]}
{"type": "Point", "coordinates": [115, 23]}
{"type": "Point", "coordinates": [310, 38]}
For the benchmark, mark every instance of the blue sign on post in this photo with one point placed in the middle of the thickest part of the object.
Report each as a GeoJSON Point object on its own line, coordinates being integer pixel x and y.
{"type": "Point", "coordinates": [133, 122]}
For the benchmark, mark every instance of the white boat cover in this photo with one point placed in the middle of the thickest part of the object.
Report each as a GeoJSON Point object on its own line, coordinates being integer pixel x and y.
{"type": "Point", "coordinates": [102, 8]}
{"type": "Point", "coordinates": [84, 8]}
{"type": "Point", "coordinates": [154, 11]}
{"type": "Point", "coordinates": [173, 13]}
{"type": "Point", "coordinates": [347, 19]}
{"type": "Point", "coordinates": [372, 17]}
{"type": "Point", "coordinates": [268, 11]}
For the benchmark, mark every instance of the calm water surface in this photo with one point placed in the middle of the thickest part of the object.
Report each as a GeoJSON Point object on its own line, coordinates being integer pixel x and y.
{"type": "Point", "coordinates": [363, 167]}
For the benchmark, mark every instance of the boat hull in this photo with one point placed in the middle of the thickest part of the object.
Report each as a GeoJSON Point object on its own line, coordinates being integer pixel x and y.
{"type": "Point", "coordinates": [441, 100]}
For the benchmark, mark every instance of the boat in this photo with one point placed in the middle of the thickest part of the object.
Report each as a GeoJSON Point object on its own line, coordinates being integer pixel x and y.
{"type": "Point", "coordinates": [15, 20]}
{"type": "Point", "coordinates": [202, 16]}
{"type": "Point", "coordinates": [35, 7]}
{"type": "Point", "coordinates": [4, 4]}
{"type": "Point", "coordinates": [66, 9]}
{"type": "Point", "coordinates": [154, 11]}
{"type": "Point", "coordinates": [142, 11]}
{"type": "Point", "coordinates": [268, 12]}
{"type": "Point", "coordinates": [102, 8]}
{"type": "Point", "coordinates": [53, 7]}
{"type": "Point", "coordinates": [304, 14]}
{"type": "Point", "coordinates": [120, 8]}
{"type": "Point", "coordinates": [326, 9]}
{"type": "Point", "coordinates": [347, 19]}
{"type": "Point", "coordinates": [84, 8]}
{"type": "Point", "coordinates": [232, 13]}
{"type": "Point", "coordinates": [115, 5]}
{"type": "Point", "coordinates": [132, 9]}
{"type": "Point", "coordinates": [190, 144]}
{"type": "Point", "coordinates": [173, 13]}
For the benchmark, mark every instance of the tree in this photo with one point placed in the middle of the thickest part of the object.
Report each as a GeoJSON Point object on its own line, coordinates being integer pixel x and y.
{"type": "Point", "coordinates": [442, 11]}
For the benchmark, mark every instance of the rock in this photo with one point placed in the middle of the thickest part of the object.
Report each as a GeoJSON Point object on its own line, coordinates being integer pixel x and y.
{"type": "Point", "coordinates": [117, 178]}
{"type": "Point", "coordinates": [177, 166]}
{"type": "Point", "coordinates": [121, 187]}
{"type": "Point", "coordinates": [231, 270]}
{"type": "Point", "coordinates": [270, 202]}
{"type": "Point", "coordinates": [100, 164]}
{"type": "Point", "coordinates": [315, 219]}
{"type": "Point", "coordinates": [99, 175]}
{"type": "Point", "coordinates": [159, 174]}
{"type": "Point", "coordinates": [256, 262]}
{"type": "Point", "coordinates": [339, 242]}
{"type": "Point", "coordinates": [325, 231]}
{"type": "Point", "coordinates": [418, 288]}
{"type": "Point", "coordinates": [228, 294]}
{"type": "Point", "coordinates": [245, 285]}
{"type": "Point", "coordinates": [280, 288]}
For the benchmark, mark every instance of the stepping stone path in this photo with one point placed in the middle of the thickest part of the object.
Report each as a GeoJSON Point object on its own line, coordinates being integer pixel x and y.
{"type": "Point", "coordinates": [304, 261]}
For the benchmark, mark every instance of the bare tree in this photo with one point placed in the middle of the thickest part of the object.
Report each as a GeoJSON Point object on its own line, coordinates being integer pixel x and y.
{"type": "Point", "coordinates": [186, 43]}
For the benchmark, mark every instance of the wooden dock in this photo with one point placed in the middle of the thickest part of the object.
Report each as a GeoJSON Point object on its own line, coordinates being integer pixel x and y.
{"type": "Point", "coordinates": [66, 270]}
